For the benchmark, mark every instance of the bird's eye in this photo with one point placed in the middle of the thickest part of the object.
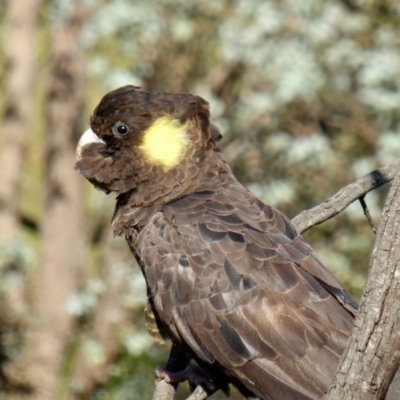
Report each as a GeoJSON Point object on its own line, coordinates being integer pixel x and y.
{"type": "Point", "coordinates": [120, 129]}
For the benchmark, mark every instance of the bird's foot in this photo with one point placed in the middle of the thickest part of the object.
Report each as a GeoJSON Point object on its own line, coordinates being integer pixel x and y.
{"type": "Point", "coordinates": [194, 375]}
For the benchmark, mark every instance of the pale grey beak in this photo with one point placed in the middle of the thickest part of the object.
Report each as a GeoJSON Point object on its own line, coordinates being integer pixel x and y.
{"type": "Point", "coordinates": [88, 137]}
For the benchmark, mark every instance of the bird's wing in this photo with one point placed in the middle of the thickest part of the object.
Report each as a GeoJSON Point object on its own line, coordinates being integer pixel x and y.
{"type": "Point", "coordinates": [232, 279]}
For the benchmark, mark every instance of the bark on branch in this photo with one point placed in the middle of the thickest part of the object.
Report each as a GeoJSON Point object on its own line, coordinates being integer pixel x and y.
{"type": "Point", "coordinates": [166, 391]}
{"type": "Point", "coordinates": [344, 197]}
{"type": "Point", "coordinates": [373, 354]}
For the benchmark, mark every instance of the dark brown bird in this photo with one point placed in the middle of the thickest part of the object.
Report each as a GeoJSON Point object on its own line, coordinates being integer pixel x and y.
{"type": "Point", "coordinates": [229, 279]}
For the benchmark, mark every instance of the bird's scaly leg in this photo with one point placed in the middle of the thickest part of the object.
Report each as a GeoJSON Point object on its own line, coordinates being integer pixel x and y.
{"type": "Point", "coordinates": [178, 370]}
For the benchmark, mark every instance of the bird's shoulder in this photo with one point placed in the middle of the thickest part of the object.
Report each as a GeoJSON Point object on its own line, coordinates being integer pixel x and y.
{"type": "Point", "coordinates": [251, 246]}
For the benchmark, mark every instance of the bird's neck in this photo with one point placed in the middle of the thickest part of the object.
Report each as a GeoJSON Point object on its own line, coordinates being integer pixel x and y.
{"type": "Point", "coordinates": [135, 208]}
{"type": "Point", "coordinates": [200, 170]}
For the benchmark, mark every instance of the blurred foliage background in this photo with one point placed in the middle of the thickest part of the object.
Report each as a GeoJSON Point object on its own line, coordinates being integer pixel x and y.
{"type": "Point", "coordinates": [307, 97]}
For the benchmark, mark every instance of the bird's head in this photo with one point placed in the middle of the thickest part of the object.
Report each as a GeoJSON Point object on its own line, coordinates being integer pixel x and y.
{"type": "Point", "coordinates": [146, 139]}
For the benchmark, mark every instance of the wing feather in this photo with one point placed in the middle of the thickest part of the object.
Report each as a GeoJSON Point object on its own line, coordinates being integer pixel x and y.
{"type": "Point", "coordinates": [245, 292]}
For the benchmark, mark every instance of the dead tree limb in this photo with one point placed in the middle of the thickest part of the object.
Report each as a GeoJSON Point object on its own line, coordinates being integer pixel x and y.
{"type": "Point", "coordinates": [373, 354]}
{"type": "Point", "coordinates": [344, 197]}
{"type": "Point", "coordinates": [164, 390]}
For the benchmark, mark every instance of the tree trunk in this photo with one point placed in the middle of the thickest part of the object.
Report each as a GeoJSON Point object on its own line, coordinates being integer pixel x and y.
{"type": "Point", "coordinates": [373, 354]}
{"type": "Point", "coordinates": [19, 54]}
{"type": "Point", "coordinates": [63, 232]}
{"type": "Point", "coordinates": [109, 318]}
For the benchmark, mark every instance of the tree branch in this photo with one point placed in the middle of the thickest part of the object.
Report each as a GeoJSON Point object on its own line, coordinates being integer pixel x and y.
{"type": "Point", "coordinates": [373, 353]}
{"type": "Point", "coordinates": [198, 394]}
{"type": "Point", "coordinates": [164, 390]}
{"type": "Point", "coordinates": [344, 197]}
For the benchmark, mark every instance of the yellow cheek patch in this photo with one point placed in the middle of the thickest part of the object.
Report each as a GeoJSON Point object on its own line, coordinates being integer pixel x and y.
{"type": "Point", "coordinates": [164, 142]}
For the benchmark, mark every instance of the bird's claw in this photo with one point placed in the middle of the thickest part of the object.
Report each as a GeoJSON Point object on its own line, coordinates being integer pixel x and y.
{"type": "Point", "coordinates": [194, 375]}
